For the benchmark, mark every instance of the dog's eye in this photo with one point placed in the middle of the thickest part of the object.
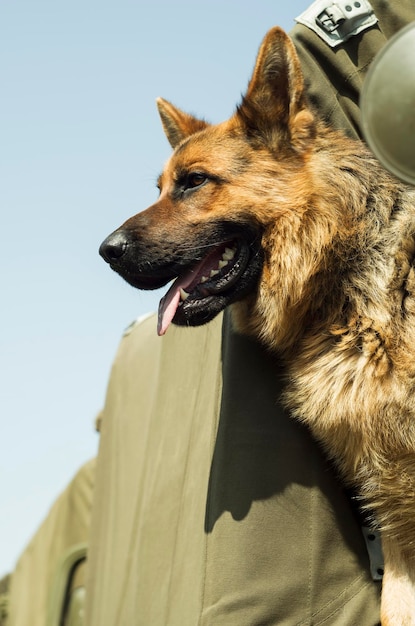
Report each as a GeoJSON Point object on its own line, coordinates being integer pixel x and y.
{"type": "Point", "coordinates": [195, 179]}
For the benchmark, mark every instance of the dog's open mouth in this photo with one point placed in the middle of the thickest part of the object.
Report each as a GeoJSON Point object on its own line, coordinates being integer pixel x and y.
{"type": "Point", "coordinates": [221, 267]}
{"type": "Point", "coordinates": [198, 294]}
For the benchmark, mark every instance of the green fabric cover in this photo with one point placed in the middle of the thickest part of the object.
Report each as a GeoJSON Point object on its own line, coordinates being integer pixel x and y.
{"type": "Point", "coordinates": [237, 522]}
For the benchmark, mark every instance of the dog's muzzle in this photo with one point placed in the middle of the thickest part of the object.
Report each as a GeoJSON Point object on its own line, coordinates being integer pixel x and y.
{"type": "Point", "coordinates": [222, 266]}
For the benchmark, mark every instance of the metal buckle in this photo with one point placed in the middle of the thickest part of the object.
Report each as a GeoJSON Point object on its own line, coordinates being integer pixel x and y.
{"type": "Point", "coordinates": [331, 18]}
{"type": "Point", "coordinates": [335, 21]}
{"type": "Point", "coordinates": [351, 11]}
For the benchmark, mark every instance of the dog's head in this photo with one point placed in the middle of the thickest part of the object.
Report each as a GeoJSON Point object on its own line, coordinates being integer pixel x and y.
{"type": "Point", "coordinates": [222, 187]}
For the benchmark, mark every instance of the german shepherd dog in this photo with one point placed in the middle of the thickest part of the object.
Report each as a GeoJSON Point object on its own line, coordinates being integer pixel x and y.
{"type": "Point", "coordinates": [312, 243]}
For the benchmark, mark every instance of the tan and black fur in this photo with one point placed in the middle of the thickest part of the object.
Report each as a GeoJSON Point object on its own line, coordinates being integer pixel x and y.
{"type": "Point", "coordinates": [312, 244]}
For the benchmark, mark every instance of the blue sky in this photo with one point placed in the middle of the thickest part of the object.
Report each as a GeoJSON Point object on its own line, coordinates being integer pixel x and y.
{"type": "Point", "coordinates": [81, 147]}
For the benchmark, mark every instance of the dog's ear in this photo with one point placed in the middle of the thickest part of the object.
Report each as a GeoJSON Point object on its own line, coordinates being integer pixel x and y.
{"type": "Point", "coordinates": [177, 125]}
{"type": "Point", "coordinates": [274, 110]}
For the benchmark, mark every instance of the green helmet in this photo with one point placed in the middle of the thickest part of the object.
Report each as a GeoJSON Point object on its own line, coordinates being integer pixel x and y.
{"type": "Point", "coordinates": [388, 105]}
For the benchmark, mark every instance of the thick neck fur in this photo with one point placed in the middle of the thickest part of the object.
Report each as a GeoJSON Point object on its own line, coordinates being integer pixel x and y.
{"type": "Point", "coordinates": [327, 267]}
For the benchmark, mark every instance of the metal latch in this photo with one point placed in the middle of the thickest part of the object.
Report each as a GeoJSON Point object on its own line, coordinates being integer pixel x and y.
{"type": "Point", "coordinates": [374, 550]}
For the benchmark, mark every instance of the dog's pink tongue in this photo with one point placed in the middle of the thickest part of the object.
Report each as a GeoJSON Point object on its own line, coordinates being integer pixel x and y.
{"type": "Point", "coordinates": [167, 308]}
{"type": "Point", "coordinates": [169, 303]}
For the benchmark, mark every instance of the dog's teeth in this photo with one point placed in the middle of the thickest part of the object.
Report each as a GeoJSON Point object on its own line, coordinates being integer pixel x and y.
{"type": "Point", "coordinates": [228, 254]}
{"type": "Point", "coordinates": [204, 279]}
{"type": "Point", "coordinates": [213, 273]}
{"type": "Point", "coordinates": [222, 264]}
{"type": "Point", "coordinates": [183, 295]}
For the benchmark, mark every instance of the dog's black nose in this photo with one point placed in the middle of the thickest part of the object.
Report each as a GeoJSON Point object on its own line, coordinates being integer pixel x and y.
{"type": "Point", "coordinates": [114, 246]}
